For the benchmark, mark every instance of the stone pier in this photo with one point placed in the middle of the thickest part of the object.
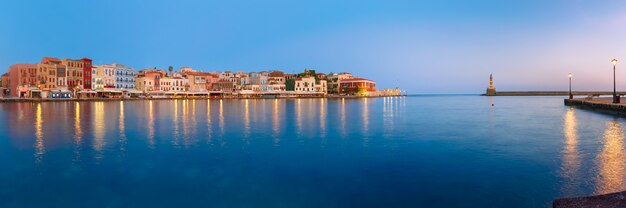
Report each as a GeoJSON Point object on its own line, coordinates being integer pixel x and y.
{"type": "Point", "coordinates": [598, 104]}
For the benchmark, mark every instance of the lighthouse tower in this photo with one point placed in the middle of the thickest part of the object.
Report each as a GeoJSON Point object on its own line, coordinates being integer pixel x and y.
{"type": "Point", "coordinates": [491, 91]}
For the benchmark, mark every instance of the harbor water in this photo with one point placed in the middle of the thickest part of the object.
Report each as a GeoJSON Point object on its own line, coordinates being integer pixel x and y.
{"type": "Point", "coordinates": [415, 151]}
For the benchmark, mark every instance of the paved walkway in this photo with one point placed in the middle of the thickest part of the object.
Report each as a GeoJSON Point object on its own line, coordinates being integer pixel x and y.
{"type": "Point", "coordinates": [608, 200]}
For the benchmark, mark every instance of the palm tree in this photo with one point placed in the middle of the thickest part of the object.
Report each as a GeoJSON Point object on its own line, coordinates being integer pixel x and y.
{"type": "Point", "coordinates": [170, 69]}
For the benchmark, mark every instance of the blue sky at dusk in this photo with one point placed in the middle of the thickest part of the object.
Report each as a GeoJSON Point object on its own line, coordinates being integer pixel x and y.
{"type": "Point", "coordinates": [420, 46]}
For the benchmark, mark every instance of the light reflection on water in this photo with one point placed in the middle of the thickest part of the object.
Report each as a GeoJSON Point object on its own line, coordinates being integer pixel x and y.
{"type": "Point", "coordinates": [611, 160]}
{"type": "Point", "coordinates": [571, 156]}
{"type": "Point", "coordinates": [150, 124]}
{"type": "Point", "coordinates": [329, 148]}
{"type": "Point", "coordinates": [99, 129]}
{"type": "Point", "coordinates": [39, 144]}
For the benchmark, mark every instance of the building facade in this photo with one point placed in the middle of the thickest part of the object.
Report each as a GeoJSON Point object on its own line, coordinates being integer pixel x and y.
{"type": "Point", "coordinates": [109, 75]}
{"type": "Point", "coordinates": [305, 84]}
{"type": "Point", "coordinates": [357, 86]}
{"type": "Point", "coordinates": [87, 67]}
{"type": "Point", "coordinates": [20, 78]}
{"type": "Point", "coordinates": [124, 77]}
{"type": "Point", "coordinates": [97, 77]}
{"type": "Point", "coordinates": [74, 73]}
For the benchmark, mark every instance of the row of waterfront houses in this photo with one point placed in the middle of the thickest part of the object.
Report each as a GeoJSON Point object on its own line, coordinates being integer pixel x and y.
{"type": "Point", "coordinates": [79, 78]}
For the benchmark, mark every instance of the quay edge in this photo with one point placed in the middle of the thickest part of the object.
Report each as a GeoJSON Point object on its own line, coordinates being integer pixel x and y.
{"type": "Point", "coordinates": [8, 100]}
{"type": "Point", "coordinates": [599, 105]}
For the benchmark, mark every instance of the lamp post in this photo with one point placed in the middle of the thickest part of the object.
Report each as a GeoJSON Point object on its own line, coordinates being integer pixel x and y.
{"type": "Point", "coordinates": [570, 86]}
{"type": "Point", "coordinates": [615, 99]}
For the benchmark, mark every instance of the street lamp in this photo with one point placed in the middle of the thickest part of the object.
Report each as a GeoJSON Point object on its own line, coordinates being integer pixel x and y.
{"type": "Point", "coordinates": [570, 86]}
{"type": "Point", "coordinates": [615, 98]}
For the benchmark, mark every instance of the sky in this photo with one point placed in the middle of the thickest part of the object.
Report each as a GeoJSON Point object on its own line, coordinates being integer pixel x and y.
{"type": "Point", "coordinates": [423, 47]}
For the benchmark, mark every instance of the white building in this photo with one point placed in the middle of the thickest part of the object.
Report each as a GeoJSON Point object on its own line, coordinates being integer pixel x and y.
{"type": "Point", "coordinates": [305, 84]}
{"type": "Point", "coordinates": [124, 77]}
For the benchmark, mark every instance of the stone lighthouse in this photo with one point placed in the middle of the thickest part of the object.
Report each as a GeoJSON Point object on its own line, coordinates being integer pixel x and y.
{"type": "Point", "coordinates": [491, 91]}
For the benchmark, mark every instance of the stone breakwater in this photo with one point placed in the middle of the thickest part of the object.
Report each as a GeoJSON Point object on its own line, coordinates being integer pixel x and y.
{"type": "Point", "coordinates": [552, 93]}
{"type": "Point", "coordinates": [598, 104]}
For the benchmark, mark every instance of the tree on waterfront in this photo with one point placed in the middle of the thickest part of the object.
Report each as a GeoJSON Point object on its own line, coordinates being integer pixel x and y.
{"type": "Point", "coordinates": [170, 68]}
{"type": "Point", "coordinates": [290, 84]}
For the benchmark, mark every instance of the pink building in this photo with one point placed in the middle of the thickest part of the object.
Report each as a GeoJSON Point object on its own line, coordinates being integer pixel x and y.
{"type": "Point", "coordinates": [149, 80]}
{"type": "Point", "coordinates": [22, 76]}
{"type": "Point", "coordinates": [201, 81]}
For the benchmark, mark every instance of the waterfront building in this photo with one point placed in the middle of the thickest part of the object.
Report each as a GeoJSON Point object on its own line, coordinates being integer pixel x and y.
{"type": "Point", "coordinates": [321, 86]}
{"type": "Point", "coordinates": [87, 66]}
{"type": "Point", "coordinates": [3, 84]}
{"type": "Point", "coordinates": [180, 84]}
{"type": "Point", "coordinates": [173, 83]}
{"type": "Point", "coordinates": [165, 84]}
{"type": "Point", "coordinates": [97, 77]}
{"type": "Point", "coordinates": [305, 84]}
{"type": "Point", "coordinates": [320, 76]}
{"type": "Point", "coordinates": [255, 81]}
{"type": "Point", "coordinates": [61, 78]}
{"type": "Point", "coordinates": [334, 79]}
{"type": "Point", "coordinates": [275, 84]}
{"type": "Point", "coordinates": [109, 75]}
{"type": "Point", "coordinates": [20, 78]}
{"type": "Point", "coordinates": [357, 86]}
{"type": "Point", "coordinates": [149, 79]}
{"type": "Point", "coordinates": [124, 76]}
{"type": "Point", "coordinates": [201, 81]}
{"type": "Point", "coordinates": [278, 76]}
{"type": "Point", "coordinates": [223, 85]}
{"type": "Point", "coordinates": [74, 73]}
{"type": "Point", "coordinates": [4, 80]}
{"type": "Point", "coordinates": [47, 74]}
{"type": "Point", "coordinates": [229, 76]}
{"type": "Point", "coordinates": [289, 76]}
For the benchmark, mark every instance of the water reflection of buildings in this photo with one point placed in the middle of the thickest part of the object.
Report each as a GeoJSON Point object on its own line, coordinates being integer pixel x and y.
{"type": "Point", "coordinates": [78, 132]}
{"type": "Point", "coordinates": [39, 145]}
{"type": "Point", "coordinates": [343, 118]}
{"type": "Point", "coordinates": [323, 118]}
{"type": "Point", "coordinates": [275, 123]}
{"type": "Point", "coordinates": [221, 117]}
{"type": "Point", "coordinates": [122, 128]}
{"type": "Point", "coordinates": [611, 160]}
{"type": "Point", "coordinates": [388, 116]}
{"type": "Point", "coordinates": [150, 126]}
{"type": "Point", "coordinates": [99, 129]}
{"type": "Point", "coordinates": [176, 131]}
{"type": "Point", "coordinates": [570, 169]}
{"type": "Point", "coordinates": [208, 119]}
{"type": "Point", "coordinates": [185, 119]}
{"type": "Point", "coordinates": [366, 120]}
{"type": "Point", "coordinates": [193, 120]}
{"type": "Point", "coordinates": [246, 119]}
{"type": "Point", "coordinates": [298, 117]}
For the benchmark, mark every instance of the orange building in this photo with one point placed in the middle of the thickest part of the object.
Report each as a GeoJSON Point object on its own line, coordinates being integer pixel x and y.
{"type": "Point", "coordinates": [357, 86]}
{"type": "Point", "coordinates": [201, 81]}
{"type": "Point", "coordinates": [21, 75]}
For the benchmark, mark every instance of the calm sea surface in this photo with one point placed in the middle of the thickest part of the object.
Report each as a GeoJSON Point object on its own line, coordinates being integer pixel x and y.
{"type": "Point", "coordinates": [417, 151]}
